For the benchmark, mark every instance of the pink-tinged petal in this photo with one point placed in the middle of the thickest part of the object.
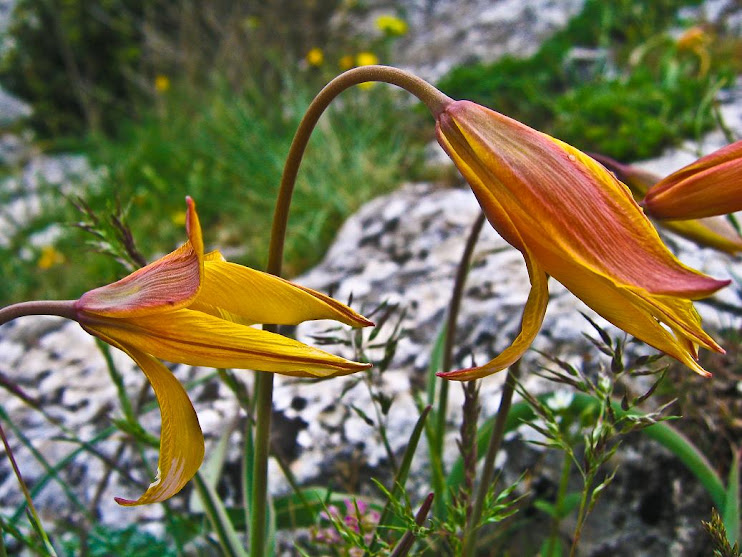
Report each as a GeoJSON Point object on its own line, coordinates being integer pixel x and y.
{"type": "Point", "coordinates": [642, 314]}
{"type": "Point", "coordinates": [533, 317]}
{"type": "Point", "coordinates": [181, 440]}
{"type": "Point", "coordinates": [710, 186]}
{"type": "Point", "coordinates": [562, 201]}
{"type": "Point", "coordinates": [238, 293]}
{"type": "Point", "coordinates": [579, 223]}
{"type": "Point", "coordinates": [712, 232]}
{"type": "Point", "coordinates": [199, 339]}
{"type": "Point", "coordinates": [169, 283]}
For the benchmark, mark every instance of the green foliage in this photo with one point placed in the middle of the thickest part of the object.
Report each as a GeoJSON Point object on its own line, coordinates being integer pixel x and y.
{"type": "Point", "coordinates": [86, 65]}
{"type": "Point", "coordinates": [74, 61]}
{"type": "Point", "coordinates": [631, 93]}
{"type": "Point", "coordinates": [103, 541]}
{"type": "Point", "coordinates": [226, 150]}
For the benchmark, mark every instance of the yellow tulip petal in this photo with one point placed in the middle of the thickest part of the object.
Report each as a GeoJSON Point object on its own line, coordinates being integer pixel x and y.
{"type": "Point", "coordinates": [642, 314]}
{"type": "Point", "coordinates": [199, 339]}
{"type": "Point", "coordinates": [533, 317]}
{"type": "Point", "coordinates": [171, 282]}
{"type": "Point", "coordinates": [580, 224]}
{"type": "Point", "coordinates": [181, 439]}
{"type": "Point", "coordinates": [712, 232]}
{"type": "Point", "coordinates": [254, 297]}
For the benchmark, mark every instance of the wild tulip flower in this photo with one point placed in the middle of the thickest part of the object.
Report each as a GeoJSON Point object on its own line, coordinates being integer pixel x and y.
{"type": "Point", "coordinates": [710, 186]}
{"type": "Point", "coordinates": [573, 220]}
{"type": "Point", "coordinates": [196, 308]}
{"type": "Point", "coordinates": [713, 232]}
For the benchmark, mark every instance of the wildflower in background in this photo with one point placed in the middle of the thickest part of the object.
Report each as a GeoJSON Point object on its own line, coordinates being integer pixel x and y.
{"type": "Point", "coordinates": [710, 186]}
{"type": "Point", "coordinates": [178, 218]}
{"type": "Point", "coordinates": [162, 83]}
{"type": "Point", "coordinates": [196, 308]}
{"type": "Point", "coordinates": [346, 62]}
{"type": "Point", "coordinates": [713, 232]}
{"type": "Point", "coordinates": [366, 59]}
{"type": "Point", "coordinates": [49, 258]}
{"type": "Point", "coordinates": [573, 220]}
{"type": "Point", "coordinates": [315, 57]}
{"type": "Point", "coordinates": [251, 22]}
{"type": "Point", "coordinates": [391, 25]}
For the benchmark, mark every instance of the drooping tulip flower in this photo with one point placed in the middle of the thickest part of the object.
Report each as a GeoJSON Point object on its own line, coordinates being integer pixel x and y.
{"type": "Point", "coordinates": [195, 308]}
{"type": "Point", "coordinates": [573, 220]}
{"type": "Point", "coordinates": [710, 186]}
{"type": "Point", "coordinates": [713, 232]}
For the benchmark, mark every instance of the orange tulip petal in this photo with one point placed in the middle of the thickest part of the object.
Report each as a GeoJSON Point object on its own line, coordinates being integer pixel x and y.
{"type": "Point", "coordinates": [580, 224]}
{"type": "Point", "coordinates": [710, 186]}
{"type": "Point", "coordinates": [533, 317]}
{"type": "Point", "coordinates": [171, 282]}
{"type": "Point", "coordinates": [563, 201]}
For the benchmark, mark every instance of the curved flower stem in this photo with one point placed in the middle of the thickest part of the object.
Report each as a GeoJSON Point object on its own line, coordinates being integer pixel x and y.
{"type": "Point", "coordinates": [432, 97]}
{"type": "Point", "coordinates": [436, 102]}
{"type": "Point", "coordinates": [485, 482]}
{"type": "Point", "coordinates": [61, 308]}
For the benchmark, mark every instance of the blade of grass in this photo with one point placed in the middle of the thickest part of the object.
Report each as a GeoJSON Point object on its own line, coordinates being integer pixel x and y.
{"type": "Point", "coordinates": [731, 502]}
{"type": "Point", "coordinates": [219, 518]}
{"type": "Point", "coordinates": [401, 478]}
{"type": "Point", "coordinates": [31, 509]}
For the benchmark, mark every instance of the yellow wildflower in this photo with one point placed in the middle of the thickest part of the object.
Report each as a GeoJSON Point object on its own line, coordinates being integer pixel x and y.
{"type": "Point", "coordinates": [315, 57]}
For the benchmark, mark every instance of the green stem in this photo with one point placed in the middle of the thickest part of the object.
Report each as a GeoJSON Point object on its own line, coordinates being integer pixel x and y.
{"type": "Point", "coordinates": [258, 507]}
{"type": "Point", "coordinates": [581, 514]}
{"type": "Point", "coordinates": [436, 102]}
{"type": "Point", "coordinates": [62, 308]}
{"type": "Point", "coordinates": [558, 506]}
{"type": "Point", "coordinates": [36, 521]}
{"type": "Point", "coordinates": [485, 483]}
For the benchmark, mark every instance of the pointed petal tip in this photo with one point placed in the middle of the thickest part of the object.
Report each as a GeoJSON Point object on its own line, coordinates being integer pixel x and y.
{"type": "Point", "coordinates": [125, 502]}
{"type": "Point", "coordinates": [467, 374]}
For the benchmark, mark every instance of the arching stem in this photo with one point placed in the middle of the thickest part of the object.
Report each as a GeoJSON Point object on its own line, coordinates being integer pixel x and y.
{"type": "Point", "coordinates": [436, 102]}
{"type": "Point", "coordinates": [61, 308]}
{"type": "Point", "coordinates": [429, 95]}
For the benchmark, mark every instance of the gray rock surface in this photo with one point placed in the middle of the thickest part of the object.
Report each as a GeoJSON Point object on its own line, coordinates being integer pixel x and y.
{"type": "Point", "coordinates": [444, 33]}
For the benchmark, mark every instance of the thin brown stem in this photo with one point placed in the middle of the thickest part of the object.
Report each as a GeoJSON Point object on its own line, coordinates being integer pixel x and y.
{"type": "Point", "coordinates": [485, 482]}
{"type": "Point", "coordinates": [436, 102]}
{"type": "Point", "coordinates": [62, 308]}
{"type": "Point", "coordinates": [432, 97]}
